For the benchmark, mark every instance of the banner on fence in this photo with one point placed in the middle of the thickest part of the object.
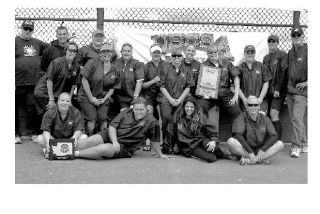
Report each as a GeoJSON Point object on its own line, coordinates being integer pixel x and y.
{"type": "Point", "coordinates": [232, 42]}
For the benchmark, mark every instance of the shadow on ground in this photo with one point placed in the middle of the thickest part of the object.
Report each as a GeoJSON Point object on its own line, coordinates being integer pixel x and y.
{"type": "Point", "coordinates": [32, 168]}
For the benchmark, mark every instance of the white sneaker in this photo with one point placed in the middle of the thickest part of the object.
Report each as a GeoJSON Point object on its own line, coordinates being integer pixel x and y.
{"type": "Point", "coordinates": [18, 140]}
{"type": "Point", "coordinates": [304, 149]}
{"type": "Point", "coordinates": [45, 153]}
{"type": "Point", "coordinates": [34, 138]}
{"type": "Point", "coordinates": [295, 152]}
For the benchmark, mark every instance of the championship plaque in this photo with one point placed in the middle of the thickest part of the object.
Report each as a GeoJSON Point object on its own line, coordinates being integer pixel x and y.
{"type": "Point", "coordinates": [61, 149]}
{"type": "Point", "coordinates": [208, 82]}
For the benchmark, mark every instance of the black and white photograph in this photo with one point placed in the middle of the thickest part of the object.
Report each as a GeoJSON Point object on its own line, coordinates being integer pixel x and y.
{"type": "Point", "coordinates": [171, 95]}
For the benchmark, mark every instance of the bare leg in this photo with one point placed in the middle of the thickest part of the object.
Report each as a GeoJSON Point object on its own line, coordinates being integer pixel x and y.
{"type": "Point", "coordinates": [97, 152]}
{"type": "Point", "coordinates": [236, 148]}
{"type": "Point", "coordinates": [91, 141]}
{"type": "Point", "coordinates": [273, 150]}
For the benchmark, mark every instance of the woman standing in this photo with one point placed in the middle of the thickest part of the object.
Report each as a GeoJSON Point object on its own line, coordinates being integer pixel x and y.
{"type": "Point", "coordinates": [193, 135]}
{"type": "Point", "coordinates": [131, 77]}
{"type": "Point", "coordinates": [175, 83]}
{"type": "Point", "coordinates": [98, 82]}
{"type": "Point", "coordinates": [62, 76]}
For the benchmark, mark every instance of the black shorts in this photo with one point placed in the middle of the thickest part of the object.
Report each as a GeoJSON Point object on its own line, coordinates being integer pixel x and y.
{"type": "Point", "coordinates": [276, 103]}
{"type": "Point", "coordinates": [123, 153]}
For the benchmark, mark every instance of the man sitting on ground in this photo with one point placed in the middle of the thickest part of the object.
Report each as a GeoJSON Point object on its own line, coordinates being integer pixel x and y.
{"type": "Point", "coordinates": [126, 132]}
{"type": "Point", "coordinates": [254, 136]}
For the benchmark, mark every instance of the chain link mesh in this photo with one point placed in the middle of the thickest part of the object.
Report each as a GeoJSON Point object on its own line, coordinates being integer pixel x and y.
{"type": "Point", "coordinates": [193, 19]}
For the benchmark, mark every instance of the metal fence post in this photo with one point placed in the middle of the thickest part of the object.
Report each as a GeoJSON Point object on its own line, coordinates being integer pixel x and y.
{"type": "Point", "coordinates": [296, 17]}
{"type": "Point", "coordinates": [100, 17]}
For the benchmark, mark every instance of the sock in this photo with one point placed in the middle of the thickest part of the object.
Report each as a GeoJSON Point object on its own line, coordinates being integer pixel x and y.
{"type": "Point", "coordinates": [76, 153]}
{"type": "Point", "coordinates": [277, 125]}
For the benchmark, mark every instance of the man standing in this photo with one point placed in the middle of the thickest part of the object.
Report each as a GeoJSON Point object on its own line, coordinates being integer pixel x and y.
{"type": "Point", "coordinates": [28, 51]}
{"type": "Point", "coordinates": [254, 78]}
{"type": "Point", "coordinates": [254, 137]}
{"type": "Point", "coordinates": [298, 90]}
{"type": "Point", "coordinates": [277, 62]}
{"type": "Point", "coordinates": [56, 48]}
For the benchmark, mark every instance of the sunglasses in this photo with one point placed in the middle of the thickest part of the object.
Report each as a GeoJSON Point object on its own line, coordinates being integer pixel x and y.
{"type": "Point", "coordinates": [296, 35]}
{"type": "Point", "coordinates": [28, 29]}
{"type": "Point", "coordinates": [271, 41]}
{"type": "Point", "coordinates": [253, 105]}
{"type": "Point", "coordinates": [105, 51]}
{"type": "Point", "coordinates": [73, 50]}
{"type": "Point", "coordinates": [213, 52]}
{"type": "Point", "coordinates": [176, 55]}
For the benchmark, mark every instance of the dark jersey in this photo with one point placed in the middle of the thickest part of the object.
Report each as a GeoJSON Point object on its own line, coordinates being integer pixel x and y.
{"type": "Point", "coordinates": [252, 80]}
{"type": "Point", "coordinates": [62, 77]}
{"type": "Point", "coordinates": [86, 53]}
{"type": "Point", "coordinates": [99, 81]}
{"type": "Point", "coordinates": [150, 72]}
{"type": "Point", "coordinates": [132, 132]}
{"type": "Point", "coordinates": [52, 52]}
{"type": "Point", "coordinates": [129, 74]}
{"type": "Point", "coordinates": [60, 129]}
{"type": "Point", "coordinates": [27, 60]}
{"type": "Point", "coordinates": [298, 69]}
{"type": "Point", "coordinates": [175, 82]}
{"type": "Point", "coordinates": [277, 63]}
{"type": "Point", "coordinates": [259, 133]}
{"type": "Point", "coordinates": [194, 67]}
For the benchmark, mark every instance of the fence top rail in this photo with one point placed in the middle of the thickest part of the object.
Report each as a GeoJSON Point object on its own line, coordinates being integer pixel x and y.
{"type": "Point", "coordinates": [162, 22]}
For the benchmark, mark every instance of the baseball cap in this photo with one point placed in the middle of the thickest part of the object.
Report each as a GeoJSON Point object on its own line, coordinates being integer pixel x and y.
{"type": "Point", "coordinates": [296, 30]}
{"type": "Point", "coordinates": [155, 48]}
{"type": "Point", "coordinates": [249, 48]}
{"type": "Point", "coordinates": [97, 31]}
{"type": "Point", "coordinates": [28, 23]}
{"type": "Point", "coordinates": [106, 47]}
{"type": "Point", "coordinates": [273, 37]}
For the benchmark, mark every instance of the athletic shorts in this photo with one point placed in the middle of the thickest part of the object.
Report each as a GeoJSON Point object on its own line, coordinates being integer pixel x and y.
{"type": "Point", "coordinates": [123, 153]}
{"type": "Point", "coordinates": [91, 112]}
{"type": "Point", "coordinates": [276, 103]}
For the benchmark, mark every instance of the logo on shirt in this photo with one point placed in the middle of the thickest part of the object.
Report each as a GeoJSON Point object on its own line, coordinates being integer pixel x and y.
{"type": "Point", "coordinates": [224, 69]}
{"type": "Point", "coordinates": [262, 129]}
{"type": "Point", "coordinates": [275, 62]}
{"type": "Point", "coordinates": [69, 124]}
{"type": "Point", "coordinates": [130, 69]}
{"type": "Point", "coordinates": [29, 51]}
{"type": "Point", "coordinates": [112, 77]}
{"type": "Point", "coordinates": [257, 72]}
{"type": "Point", "coordinates": [194, 69]}
{"type": "Point", "coordinates": [74, 73]}
{"type": "Point", "coordinates": [179, 125]}
{"type": "Point", "coordinates": [142, 123]}
{"type": "Point", "coordinates": [300, 59]}
{"type": "Point", "coordinates": [183, 74]}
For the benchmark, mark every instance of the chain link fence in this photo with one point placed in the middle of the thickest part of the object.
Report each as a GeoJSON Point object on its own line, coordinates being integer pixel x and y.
{"type": "Point", "coordinates": [82, 21]}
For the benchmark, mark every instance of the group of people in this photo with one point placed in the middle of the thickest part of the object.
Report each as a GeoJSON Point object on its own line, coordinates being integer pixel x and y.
{"type": "Point", "coordinates": [110, 104]}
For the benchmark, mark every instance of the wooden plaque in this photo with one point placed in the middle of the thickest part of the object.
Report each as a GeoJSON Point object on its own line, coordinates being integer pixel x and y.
{"type": "Point", "coordinates": [61, 149]}
{"type": "Point", "coordinates": [208, 82]}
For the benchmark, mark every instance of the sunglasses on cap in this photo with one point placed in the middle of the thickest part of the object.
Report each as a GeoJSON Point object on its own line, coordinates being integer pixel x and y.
{"type": "Point", "coordinates": [272, 41]}
{"type": "Point", "coordinates": [28, 29]}
{"type": "Point", "coordinates": [296, 35]}
{"type": "Point", "coordinates": [253, 105]}
{"type": "Point", "coordinates": [176, 55]}
{"type": "Point", "coordinates": [72, 50]}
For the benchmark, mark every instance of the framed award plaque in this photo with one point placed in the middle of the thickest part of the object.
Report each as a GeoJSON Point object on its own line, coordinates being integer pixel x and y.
{"type": "Point", "coordinates": [61, 149]}
{"type": "Point", "coordinates": [208, 82]}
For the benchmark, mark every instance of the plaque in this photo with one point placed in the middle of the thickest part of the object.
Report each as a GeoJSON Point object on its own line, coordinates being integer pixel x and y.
{"type": "Point", "coordinates": [61, 149]}
{"type": "Point", "coordinates": [208, 82]}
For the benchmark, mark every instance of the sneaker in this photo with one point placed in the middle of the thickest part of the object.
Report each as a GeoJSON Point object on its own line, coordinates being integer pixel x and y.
{"type": "Point", "coordinates": [245, 161]}
{"type": "Point", "coordinates": [18, 140]}
{"type": "Point", "coordinates": [45, 153]}
{"type": "Point", "coordinates": [304, 149]}
{"type": "Point", "coordinates": [34, 138]}
{"type": "Point", "coordinates": [295, 152]}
